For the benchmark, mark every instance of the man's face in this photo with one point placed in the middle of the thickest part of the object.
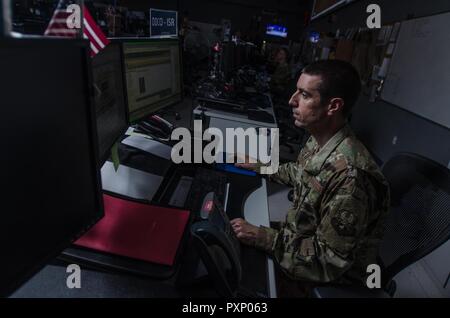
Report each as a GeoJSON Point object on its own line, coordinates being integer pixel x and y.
{"type": "Point", "coordinates": [306, 104]}
{"type": "Point", "coordinates": [280, 57]}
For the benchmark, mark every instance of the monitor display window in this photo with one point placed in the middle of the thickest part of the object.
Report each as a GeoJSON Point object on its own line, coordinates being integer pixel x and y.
{"type": "Point", "coordinates": [153, 75]}
{"type": "Point", "coordinates": [277, 30]}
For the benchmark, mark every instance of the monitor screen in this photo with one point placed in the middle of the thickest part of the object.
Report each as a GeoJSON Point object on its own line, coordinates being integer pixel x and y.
{"type": "Point", "coordinates": [314, 37]}
{"type": "Point", "coordinates": [228, 60]}
{"type": "Point", "coordinates": [109, 96]}
{"type": "Point", "coordinates": [49, 178]}
{"type": "Point", "coordinates": [153, 75]}
{"type": "Point", "coordinates": [277, 30]}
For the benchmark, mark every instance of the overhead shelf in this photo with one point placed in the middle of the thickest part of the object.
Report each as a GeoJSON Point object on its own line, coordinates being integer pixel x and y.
{"type": "Point", "coordinates": [328, 9]}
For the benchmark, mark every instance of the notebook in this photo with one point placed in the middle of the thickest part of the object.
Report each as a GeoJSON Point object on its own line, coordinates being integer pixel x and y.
{"type": "Point", "coordinates": [136, 230]}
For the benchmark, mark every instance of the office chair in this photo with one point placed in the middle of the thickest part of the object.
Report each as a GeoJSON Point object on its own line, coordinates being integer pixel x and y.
{"type": "Point", "coordinates": [418, 222]}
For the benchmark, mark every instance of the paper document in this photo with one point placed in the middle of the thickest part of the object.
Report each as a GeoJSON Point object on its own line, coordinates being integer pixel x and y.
{"type": "Point", "coordinates": [395, 32]}
{"type": "Point", "coordinates": [149, 145]}
{"type": "Point", "coordinates": [132, 132]}
{"type": "Point", "coordinates": [390, 49]}
{"type": "Point", "coordinates": [384, 68]}
{"type": "Point", "coordinates": [130, 182]}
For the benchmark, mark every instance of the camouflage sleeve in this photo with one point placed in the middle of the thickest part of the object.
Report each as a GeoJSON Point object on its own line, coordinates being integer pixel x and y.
{"type": "Point", "coordinates": [330, 252]}
{"type": "Point", "coordinates": [287, 174]}
{"type": "Point", "coordinates": [281, 77]}
{"type": "Point", "coordinates": [266, 238]}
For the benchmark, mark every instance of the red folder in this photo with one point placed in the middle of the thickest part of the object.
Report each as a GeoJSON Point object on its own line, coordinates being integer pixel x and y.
{"type": "Point", "coordinates": [137, 230]}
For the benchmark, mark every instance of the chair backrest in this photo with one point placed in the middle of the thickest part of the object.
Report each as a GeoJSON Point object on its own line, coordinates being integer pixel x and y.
{"type": "Point", "coordinates": [419, 220]}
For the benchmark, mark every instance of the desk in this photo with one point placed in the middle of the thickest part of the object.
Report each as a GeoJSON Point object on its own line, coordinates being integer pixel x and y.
{"type": "Point", "coordinates": [51, 281]}
{"type": "Point", "coordinates": [237, 118]}
{"type": "Point", "coordinates": [215, 117]}
{"type": "Point", "coordinates": [221, 119]}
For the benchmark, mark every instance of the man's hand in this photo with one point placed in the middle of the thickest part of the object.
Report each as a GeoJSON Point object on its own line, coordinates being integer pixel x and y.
{"type": "Point", "coordinates": [245, 232]}
{"type": "Point", "coordinates": [246, 162]}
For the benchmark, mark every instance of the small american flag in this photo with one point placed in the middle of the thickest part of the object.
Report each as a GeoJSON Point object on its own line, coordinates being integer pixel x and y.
{"type": "Point", "coordinates": [58, 26]}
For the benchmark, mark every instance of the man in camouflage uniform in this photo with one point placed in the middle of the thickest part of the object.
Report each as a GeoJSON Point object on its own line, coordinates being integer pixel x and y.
{"type": "Point", "coordinates": [282, 74]}
{"type": "Point", "coordinates": [341, 199]}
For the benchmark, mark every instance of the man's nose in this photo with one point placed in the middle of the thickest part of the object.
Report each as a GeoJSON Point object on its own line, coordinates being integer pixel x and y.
{"type": "Point", "coordinates": [293, 102]}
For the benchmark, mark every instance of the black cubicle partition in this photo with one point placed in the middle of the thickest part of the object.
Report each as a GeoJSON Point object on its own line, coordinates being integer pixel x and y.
{"type": "Point", "coordinates": [49, 177]}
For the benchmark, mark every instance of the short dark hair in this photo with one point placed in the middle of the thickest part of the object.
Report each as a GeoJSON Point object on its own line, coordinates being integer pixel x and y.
{"type": "Point", "coordinates": [286, 51]}
{"type": "Point", "coordinates": [339, 80]}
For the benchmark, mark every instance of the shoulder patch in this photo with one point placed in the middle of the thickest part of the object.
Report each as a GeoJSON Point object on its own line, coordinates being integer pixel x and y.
{"type": "Point", "coordinates": [344, 223]}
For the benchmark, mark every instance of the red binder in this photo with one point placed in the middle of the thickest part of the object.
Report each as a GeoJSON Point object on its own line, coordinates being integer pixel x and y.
{"type": "Point", "coordinates": [137, 230]}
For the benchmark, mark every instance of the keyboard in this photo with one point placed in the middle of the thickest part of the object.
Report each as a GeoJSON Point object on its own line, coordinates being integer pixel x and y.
{"type": "Point", "coordinates": [222, 105]}
{"type": "Point", "coordinates": [255, 99]}
{"type": "Point", "coordinates": [260, 115]}
{"type": "Point", "coordinates": [250, 111]}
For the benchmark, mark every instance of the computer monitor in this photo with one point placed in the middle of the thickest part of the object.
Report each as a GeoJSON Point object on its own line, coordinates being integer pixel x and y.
{"type": "Point", "coordinates": [228, 59]}
{"type": "Point", "coordinates": [277, 30]}
{"type": "Point", "coordinates": [314, 37]}
{"type": "Point", "coordinates": [49, 178]}
{"type": "Point", "coordinates": [110, 98]}
{"type": "Point", "coordinates": [153, 75]}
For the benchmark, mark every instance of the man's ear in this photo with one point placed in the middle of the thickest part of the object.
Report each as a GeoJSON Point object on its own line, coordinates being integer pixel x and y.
{"type": "Point", "coordinates": [335, 106]}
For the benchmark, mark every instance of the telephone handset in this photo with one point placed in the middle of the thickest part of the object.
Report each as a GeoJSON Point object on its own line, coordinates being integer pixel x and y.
{"type": "Point", "coordinates": [217, 246]}
{"type": "Point", "coordinates": [207, 238]}
{"type": "Point", "coordinates": [156, 127]}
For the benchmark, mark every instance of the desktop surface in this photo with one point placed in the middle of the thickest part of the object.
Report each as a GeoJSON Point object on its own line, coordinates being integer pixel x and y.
{"type": "Point", "coordinates": [246, 197]}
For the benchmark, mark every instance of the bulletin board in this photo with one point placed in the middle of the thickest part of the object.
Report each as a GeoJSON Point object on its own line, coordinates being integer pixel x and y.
{"type": "Point", "coordinates": [418, 78]}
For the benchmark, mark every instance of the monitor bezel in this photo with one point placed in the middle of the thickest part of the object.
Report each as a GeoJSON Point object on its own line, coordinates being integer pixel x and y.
{"type": "Point", "coordinates": [122, 41]}
{"type": "Point", "coordinates": [104, 157]}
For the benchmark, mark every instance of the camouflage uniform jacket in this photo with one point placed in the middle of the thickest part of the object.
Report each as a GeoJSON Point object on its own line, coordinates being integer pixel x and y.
{"type": "Point", "coordinates": [335, 225]}
{"type": "Point", "coordinates": [280, 78]}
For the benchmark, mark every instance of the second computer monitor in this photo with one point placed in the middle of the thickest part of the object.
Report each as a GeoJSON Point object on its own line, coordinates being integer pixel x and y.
{"type": "Point", "coordinates": [110, 100]}
{"type": "Point", "coordinates": [49, 178]}
{"type": "Point", "coordinates": [153, 75]}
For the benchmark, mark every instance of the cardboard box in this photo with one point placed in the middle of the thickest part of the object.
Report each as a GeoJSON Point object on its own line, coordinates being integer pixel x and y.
{"type": "Point", "coordinates": [344, 50]}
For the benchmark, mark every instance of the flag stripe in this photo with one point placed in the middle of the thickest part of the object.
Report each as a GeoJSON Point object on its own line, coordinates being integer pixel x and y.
{"type": "Point", "coordinates": [93, 30]}
{"type": "Point", "coordinates": [62, 31]}
{"type": "Point", "coordinates": [60, 20]}
{"type": "Point", "coordinates": [92, 34]}
{"type": "Point", "coordinates": [93, 48]}
{"type": "Point", "coordinates": [92, 43]}
{"type": "Point", "coordinates": [58, 26]}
